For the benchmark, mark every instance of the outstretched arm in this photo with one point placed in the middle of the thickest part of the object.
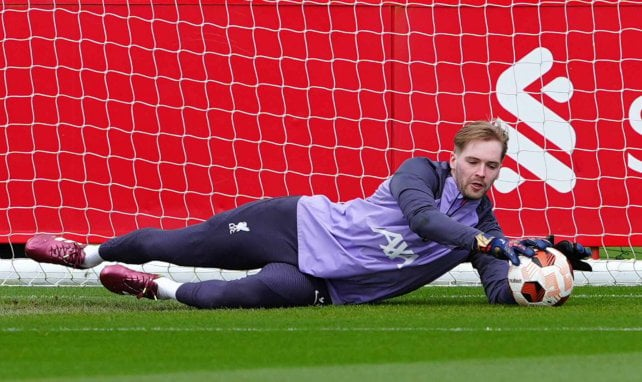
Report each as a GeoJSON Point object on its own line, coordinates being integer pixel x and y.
{"type": "Point", "coordinates": [414, 186]}
{"type": "Point", "coordinates": [493, 273]}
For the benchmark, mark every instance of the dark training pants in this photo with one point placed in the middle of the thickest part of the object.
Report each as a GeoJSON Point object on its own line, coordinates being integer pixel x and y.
{"type": "Point", "coordinates": [261, 234]}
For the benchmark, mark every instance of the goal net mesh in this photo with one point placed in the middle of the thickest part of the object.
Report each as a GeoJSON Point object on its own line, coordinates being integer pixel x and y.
{"type": "Point", "coordinates": [121, 115]}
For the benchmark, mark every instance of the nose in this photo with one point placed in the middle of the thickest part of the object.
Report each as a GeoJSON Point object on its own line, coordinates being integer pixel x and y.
{"type": "Point", "coordinates": [480, 171]}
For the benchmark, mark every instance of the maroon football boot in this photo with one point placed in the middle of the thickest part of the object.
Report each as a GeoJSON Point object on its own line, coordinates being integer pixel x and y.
{"type": "Point", "coordinates": [122, 280]}
{"type": "Point", "coordinates": [46, 248]}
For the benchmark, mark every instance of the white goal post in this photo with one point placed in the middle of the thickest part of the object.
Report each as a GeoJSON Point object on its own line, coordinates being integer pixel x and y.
{"type": "Point", "coordinates": [26, 272]}
{"type": "Point", "coordinates": [118, 115]}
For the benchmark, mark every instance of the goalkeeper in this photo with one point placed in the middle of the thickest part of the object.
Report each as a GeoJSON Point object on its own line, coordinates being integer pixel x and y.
{"type": "Point", "coordinates": [419, 224]}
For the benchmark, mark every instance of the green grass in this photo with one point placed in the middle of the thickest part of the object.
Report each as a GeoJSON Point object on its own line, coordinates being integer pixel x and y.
{"type": "Point", "coordinates": [436, 334]}
{"type": "Point", "coordinates": [621, 253]}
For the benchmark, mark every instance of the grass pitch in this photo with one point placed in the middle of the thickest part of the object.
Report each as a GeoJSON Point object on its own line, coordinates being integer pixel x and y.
{"type": "Point", "coordinates": [433, 334]}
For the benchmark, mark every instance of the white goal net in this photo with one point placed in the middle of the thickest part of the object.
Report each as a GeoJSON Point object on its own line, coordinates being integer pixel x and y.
{"type": "Point", "coordinates": [119, 116]}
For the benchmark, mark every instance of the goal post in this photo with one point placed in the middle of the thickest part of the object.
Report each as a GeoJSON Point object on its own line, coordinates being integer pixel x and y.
{"type": "Point", "coordinates": [26, 272]}
{"type": "Point", "coordinates": [121, 115]}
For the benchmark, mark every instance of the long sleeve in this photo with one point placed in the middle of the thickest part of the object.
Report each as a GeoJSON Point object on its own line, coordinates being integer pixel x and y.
{"type": "Point", "coordinates": [416, 186]}
{"type": "Point", "coordinates": [493, 273]}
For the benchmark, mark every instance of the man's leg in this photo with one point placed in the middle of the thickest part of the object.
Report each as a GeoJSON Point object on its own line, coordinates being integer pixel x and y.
{"type": "Point", "coordinates": [276, 285]}
{"type": "Point", "coordinates": [247, 237]}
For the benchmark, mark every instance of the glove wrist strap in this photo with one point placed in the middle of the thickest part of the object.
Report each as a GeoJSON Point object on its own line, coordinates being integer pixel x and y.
{"type": "Point", "coordinates": [482, 242]}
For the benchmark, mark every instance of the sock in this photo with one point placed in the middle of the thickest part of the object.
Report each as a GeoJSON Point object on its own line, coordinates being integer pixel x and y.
{"type": "Point", "coordinates": [92, 257]}
{"type": "Point", "coordinates": [167, 288]}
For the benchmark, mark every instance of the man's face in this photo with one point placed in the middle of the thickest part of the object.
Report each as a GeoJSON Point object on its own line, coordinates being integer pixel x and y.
{"type": "Point", "coordinates": [476, 167]}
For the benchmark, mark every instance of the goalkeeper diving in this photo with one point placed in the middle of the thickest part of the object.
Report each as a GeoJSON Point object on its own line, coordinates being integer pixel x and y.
{"type": "Point", "coordinates": [420, 223]}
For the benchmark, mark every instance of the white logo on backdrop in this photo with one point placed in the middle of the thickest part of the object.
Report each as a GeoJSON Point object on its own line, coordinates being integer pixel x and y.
{"type": "Point", "coordinates": [635, 119]}
{"type": "Point", "coordinates": [513, 97]}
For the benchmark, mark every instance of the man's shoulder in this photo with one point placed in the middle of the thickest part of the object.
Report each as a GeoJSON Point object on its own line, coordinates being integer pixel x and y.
{"type": "Point", "coordinates": [440, 167]}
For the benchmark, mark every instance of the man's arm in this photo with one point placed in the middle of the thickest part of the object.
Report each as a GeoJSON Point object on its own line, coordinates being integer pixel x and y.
{"type": "Point", "coordinates": [494, 277]}
{"type": "Point", "coordinates": [412, 185]}
{"type": "Point", "coordinates": [417, 184]}
{"type": "Point", "coordinates": [493, 272]}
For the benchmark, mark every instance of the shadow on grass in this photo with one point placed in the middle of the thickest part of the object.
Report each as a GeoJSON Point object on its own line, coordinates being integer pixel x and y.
{"type": "Point", "coordinates": [27, 301]}
{"type": "Point", "coordinates": [47, 304]}
{"type": "Point", "coordinates": [432, 298]}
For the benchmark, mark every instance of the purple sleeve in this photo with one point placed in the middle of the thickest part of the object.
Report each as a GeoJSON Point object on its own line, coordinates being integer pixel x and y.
{"type": "Point", "coordinates": [488, 223]}
{"type": "Point", "coordinates": [493, 273]}
{"type": "Point", "coordinates": [414, 186]}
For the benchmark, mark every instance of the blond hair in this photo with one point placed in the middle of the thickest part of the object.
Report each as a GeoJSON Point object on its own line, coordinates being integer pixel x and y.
{"type": "Point", "coordinates": [482, 130]}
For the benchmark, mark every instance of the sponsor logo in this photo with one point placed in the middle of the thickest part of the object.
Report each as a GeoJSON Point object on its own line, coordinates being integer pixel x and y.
{"type": "Point", "coordinates": [397, 248]}
{"type": "Point", "coordinates": [513, 97]}
{"type": "Point", "coordinates": [635, 119]}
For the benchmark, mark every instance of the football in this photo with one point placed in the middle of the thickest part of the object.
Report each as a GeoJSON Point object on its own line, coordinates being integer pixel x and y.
{"type": "Point", "coordinates": [545, 279]}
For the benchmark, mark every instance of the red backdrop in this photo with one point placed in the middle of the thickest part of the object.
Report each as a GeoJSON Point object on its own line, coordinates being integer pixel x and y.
{"type": "Point", "coordinates": [120, 116]}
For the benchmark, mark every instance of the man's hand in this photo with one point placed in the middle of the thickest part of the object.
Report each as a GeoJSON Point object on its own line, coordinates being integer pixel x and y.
{"type": "Point", "coordinates": [501, 248]}
{"type": "Point", "coordinates": [536, 242]}
{"type": "Point", "coordinates": [575, 253]}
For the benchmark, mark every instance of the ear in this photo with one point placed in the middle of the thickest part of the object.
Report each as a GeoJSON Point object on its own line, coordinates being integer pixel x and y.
{"type": "Point", "coordinates": [453, 159]}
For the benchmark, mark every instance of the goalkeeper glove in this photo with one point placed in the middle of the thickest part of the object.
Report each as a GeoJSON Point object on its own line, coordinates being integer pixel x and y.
{"type": "Point", "coordinates": [575, 253]}
{"type": "Point", "coordinates": [501, 248]}
{"type": "Point", "coordinates": [536, 242]}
